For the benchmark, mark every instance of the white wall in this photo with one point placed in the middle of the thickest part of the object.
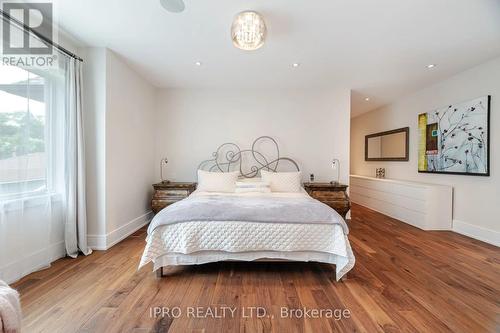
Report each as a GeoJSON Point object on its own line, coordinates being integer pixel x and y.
{"type": "Point", "coordinates": [119, 120]}
{"type": "Point", "coordinates": [130, 141]}
{"type": "Point", "coordinates": [311, 127]}
{"type": "Point", "coordinates": [94, 113]}
{"type": "Point", "coordinates": [476, 207]}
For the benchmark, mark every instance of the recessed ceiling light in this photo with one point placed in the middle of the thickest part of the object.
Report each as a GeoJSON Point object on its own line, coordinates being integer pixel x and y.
{"type": "Point", "coordinates": [198, 63]}
{"type": "Point", "coordinates": [367, 99]}
{"type": "Point", "coordinates": [295, 65]}
{"type": "Point", "coordinates": [431, 66]}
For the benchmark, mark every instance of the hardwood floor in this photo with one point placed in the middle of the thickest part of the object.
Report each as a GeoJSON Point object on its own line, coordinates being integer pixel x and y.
{"type": "Point", "coordinates": [404, 279]}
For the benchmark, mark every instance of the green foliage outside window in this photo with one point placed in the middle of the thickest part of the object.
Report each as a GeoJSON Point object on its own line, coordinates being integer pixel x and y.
{"type": "Point", "coordinates": [21, 133]}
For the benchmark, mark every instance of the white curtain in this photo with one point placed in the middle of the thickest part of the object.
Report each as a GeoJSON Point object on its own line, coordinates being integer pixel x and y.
{"type": "Point", "coordinates": [42, 174]}
{"type": "Point", "coordinates": [76, 205]}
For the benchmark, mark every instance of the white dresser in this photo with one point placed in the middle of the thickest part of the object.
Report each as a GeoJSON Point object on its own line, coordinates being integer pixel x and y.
{"type": "Point", "coordinates": [423, 205]}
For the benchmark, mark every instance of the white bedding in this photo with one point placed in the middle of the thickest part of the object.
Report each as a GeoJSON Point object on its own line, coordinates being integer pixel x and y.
{"type": "Point", "coordinates": [199, 242]}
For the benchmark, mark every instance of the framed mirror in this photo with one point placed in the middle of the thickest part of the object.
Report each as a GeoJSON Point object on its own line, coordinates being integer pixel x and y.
{"type": "Point", "coordinates": [388, 146]}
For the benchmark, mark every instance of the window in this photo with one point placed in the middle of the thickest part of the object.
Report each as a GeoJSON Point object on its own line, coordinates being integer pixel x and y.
{"type": "Point", "coordinates": [23, 132]}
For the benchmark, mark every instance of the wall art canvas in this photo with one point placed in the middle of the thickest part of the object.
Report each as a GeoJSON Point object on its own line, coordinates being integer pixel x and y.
{"type": "Point", "coordinates": [455, 139]}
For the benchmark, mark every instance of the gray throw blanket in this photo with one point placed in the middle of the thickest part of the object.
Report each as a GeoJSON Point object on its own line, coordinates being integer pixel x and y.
{"type": "Point", "coordinates": [247, 209]}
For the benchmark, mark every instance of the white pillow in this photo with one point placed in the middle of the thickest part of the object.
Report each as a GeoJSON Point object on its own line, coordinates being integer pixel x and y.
{"type": "Point", "coordinates": [282, 181]}
{"type": "Point", "coordinates": [251, 183]}
{"type": "Point", "coordinates": [217, 181]}
{"type": "Point", "coordinates": [252, 190]}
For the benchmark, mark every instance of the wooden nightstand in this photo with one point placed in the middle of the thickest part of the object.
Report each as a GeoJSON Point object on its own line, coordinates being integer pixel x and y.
{"type": "Point", "coordinates": [334, 195]}
{"type": "Point", "coordinates": [168, 193]}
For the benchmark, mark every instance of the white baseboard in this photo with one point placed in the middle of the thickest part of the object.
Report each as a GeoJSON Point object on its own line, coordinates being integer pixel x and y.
{"type": "Point", "coordinates": [128, 229]}
{"type": "Point", "coordinates": [16, 270]}
{"type": "Point", "coordinates": [479, 233]}
{"type": "Point", "coordinates": [96, 242]}
{"type": "Point", "coordinates": [104, 242]}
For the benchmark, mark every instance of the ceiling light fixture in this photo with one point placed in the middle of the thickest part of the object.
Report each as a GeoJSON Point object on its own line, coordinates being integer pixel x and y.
{"type": "Point", "coordinates": [431, 66]}
{"type": "Point", "coordinates": [248, 31]}
{"type": "Point", "coordinates": [296, 64]}
{"type": "Point", "coordinates": [367, 99]}
{"type": "Point", "coordinates": [198, 63]}
{"type": "Point", "coordinates": [173, 6]}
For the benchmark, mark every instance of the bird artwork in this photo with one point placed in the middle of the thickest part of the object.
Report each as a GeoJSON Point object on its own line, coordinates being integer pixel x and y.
{"type": "Point", "coordinates": [455, 139]}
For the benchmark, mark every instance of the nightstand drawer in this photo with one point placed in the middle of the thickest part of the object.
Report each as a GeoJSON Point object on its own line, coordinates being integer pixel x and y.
{"type": "Point", "coordinates": [160, 202]}
{"type": "Point", "coordinates": [157, 205]}
{"type": "Point", "coordinates": [331, 194]}
{"type": "Point", "coordinates": [337, 204]}
{"type": "Point", "coordinates": [166, 193]}
{"type": "Point", "coordinates": [169, 199]}
{"type": "Point", "coordinates": [171, 193]}
{"type": "Point", "coordinates": [328, 195]}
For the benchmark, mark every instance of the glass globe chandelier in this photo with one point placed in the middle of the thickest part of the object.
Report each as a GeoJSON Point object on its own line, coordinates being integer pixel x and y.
{"type": "Point", "coordinates": [248, 31]}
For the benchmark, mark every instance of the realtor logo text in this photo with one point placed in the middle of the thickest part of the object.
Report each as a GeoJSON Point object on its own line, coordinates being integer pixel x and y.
{"type": "Point", "coordinates": [220, 312]}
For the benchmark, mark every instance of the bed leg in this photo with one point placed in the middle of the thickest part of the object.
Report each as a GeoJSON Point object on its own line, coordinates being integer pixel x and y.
{"type": "Point", "coordinates": [159, 273]}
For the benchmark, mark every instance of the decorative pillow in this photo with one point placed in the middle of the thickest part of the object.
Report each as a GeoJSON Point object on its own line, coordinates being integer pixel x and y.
{"type": "Point", "coordinates": [252, 190]}
{"type": "Point", "coordinates": [217, 181]}
{"type": "Point", "coordinates": [251, 183]}
{"type": "Point", "coordinates": [282, 181]}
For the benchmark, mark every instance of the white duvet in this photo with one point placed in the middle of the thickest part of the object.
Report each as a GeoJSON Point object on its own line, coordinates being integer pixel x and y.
{"type": "Point", "coordinates": [199, 242]}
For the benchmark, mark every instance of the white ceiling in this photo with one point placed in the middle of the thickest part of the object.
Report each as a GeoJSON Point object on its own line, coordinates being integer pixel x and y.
{"type": "Point", "coordinates": [379, 49]}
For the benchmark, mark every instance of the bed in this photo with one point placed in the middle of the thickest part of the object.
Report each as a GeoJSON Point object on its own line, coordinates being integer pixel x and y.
{"type": "Point", "coordinates": [211, 226]}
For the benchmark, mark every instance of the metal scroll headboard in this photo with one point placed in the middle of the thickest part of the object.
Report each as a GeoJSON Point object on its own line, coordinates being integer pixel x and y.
{"type": "Point", "coordinates": [229, 157]}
